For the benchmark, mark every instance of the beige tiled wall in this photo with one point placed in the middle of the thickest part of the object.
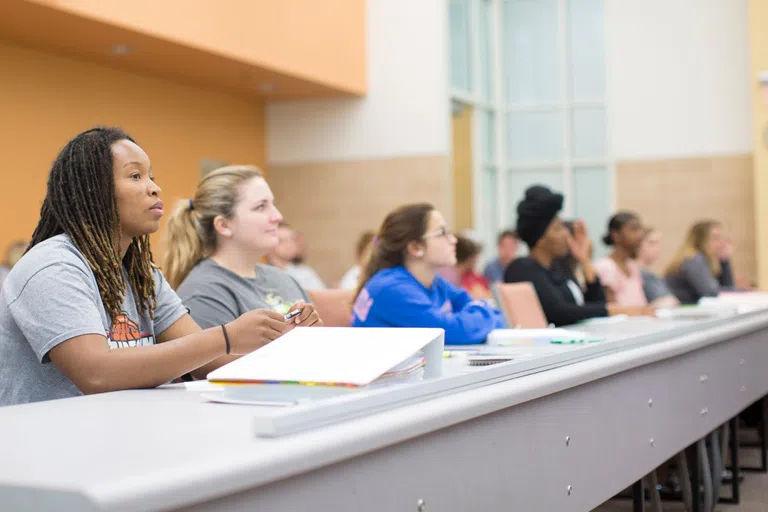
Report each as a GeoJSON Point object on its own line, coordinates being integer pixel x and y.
{"type": "Point", "coordinates": [673, 194]}
{"type": "Point", "coordinates": [333, 202]}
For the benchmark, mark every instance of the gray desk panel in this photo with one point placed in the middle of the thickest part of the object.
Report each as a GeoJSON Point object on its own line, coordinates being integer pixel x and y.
{"type": "Point", "coordinates": [502, 443]}
{"type": "Point", "coordinates": [594, 439]}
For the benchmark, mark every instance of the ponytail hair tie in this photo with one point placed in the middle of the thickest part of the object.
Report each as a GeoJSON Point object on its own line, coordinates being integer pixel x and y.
{"type": "Point", "coordinates": [375, 240]}
{"type": "Point", "coordinates": [191, 205]}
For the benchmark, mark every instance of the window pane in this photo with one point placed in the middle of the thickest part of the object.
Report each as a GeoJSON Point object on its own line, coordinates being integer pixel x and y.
{"type": "Point", "coordinates": [490, 201]}
{"type": "Point", "coordinates": [587, 49]}
{"type": "Point", "coordinates": [592, 202]}
{"type": "Point", "coordinates": [588, 138]}
{"type": "Point", "coordinates": [519, 180]}
{"type": "Point", "coordinates": [487, 133]}
{"type": "Point", "coordinates": [460, 68]}
{"type": "Point", "coordinates": [486, 52]}
{"type": "Point", "coordinates": [530, 51]}
{"type": "Point", "coordinates": [535, 136]}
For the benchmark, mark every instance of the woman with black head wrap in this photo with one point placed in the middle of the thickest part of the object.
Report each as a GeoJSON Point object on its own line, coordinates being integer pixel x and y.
{"type": "Point", "coordinates": [548, 239]}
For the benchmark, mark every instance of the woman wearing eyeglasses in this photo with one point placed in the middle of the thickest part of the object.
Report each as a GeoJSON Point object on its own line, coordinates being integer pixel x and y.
{"type": "Point", "coordinates": [400, 285]}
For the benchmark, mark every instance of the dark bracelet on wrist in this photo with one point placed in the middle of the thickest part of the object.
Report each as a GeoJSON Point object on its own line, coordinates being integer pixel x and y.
{"type": "Point", "coordinates": [226, 338]}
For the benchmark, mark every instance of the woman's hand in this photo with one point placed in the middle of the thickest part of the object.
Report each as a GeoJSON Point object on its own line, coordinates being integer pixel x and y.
{"type": "Point", "coordinates": [308, 317]}
{"type": "Point", "coordinates": [254, 329]}
{"type": "Point", "coordinates": [579, 243]}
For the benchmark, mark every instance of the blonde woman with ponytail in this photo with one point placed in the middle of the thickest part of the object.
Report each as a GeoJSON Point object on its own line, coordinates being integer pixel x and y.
{"type": "Point", "coordinates": [215, 243]}
{"type": "Point", "coordinates": [400, 285]}
{"type": "Point", "coordinates": [700, 267]}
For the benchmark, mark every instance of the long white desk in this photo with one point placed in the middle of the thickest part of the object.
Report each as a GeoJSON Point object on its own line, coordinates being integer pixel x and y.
{"type": "Point", "coordinates": [564, 439]}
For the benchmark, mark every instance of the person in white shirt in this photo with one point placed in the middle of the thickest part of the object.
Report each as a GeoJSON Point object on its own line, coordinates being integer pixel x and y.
{"type": "Point", "coordinates": [362, 251]}
{"type": "Point", "coordinates": [284, 255]}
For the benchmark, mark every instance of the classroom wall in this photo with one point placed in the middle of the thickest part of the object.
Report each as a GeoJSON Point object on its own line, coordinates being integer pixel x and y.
{"type": "Point", "coordinates": [319, 41]}
{"type": "Point", "coordinates": [758, 48]}
{"type": "Point", "coordinates": [680, 116]}
{"type": "Point", "coordinates": [46, 99]}
{"type": "Point", "coordinates": [338, 166]}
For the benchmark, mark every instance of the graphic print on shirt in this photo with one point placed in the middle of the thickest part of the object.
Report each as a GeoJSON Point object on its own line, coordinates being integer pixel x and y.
{"type": "Point", "coordinates": [277, 304]}
{"type": "Point", "coordinates": [362, 305]}
{"type": "Point", "coordinates": [126, 333]}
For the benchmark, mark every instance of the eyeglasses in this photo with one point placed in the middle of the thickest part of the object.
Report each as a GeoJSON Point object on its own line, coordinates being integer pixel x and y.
{"type": "Point", "coordinates": [442, 232]}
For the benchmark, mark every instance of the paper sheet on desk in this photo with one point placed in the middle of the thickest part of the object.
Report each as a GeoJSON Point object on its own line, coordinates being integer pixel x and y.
{"type": "Point", "coordinates": [744, 302]}
{"type": "Point", "coordinates": [538, 337]}
{"type": "Point", "coordinates": [202, 385]}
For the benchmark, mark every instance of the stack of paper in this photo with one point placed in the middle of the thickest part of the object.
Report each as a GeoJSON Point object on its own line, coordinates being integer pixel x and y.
{"type": "Point", "coordinates": [743, 301]}
{"type": "Point", "coordinates": [702, 311]}
{"type": "Point", "coordinates": [538, 337]}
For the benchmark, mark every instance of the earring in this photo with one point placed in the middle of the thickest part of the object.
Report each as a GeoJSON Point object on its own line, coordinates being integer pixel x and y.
{"type": "Point", "coordinates": [419, 254]}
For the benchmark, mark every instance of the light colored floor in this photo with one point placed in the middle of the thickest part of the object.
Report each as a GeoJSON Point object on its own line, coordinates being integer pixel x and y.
{"type": "Point", "coordinates": [754, 491]}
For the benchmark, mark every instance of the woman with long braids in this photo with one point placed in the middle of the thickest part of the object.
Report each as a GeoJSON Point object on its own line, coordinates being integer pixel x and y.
{"type": "Point", "coordinates": [85, 310]}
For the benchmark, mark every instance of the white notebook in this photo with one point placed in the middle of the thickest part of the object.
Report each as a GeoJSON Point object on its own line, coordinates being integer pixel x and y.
{"type": "Point", "coordinates": [341, 356]}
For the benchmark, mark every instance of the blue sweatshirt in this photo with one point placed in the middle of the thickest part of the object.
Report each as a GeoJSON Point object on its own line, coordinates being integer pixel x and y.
{"type": "Point", "coordinates": [394, 298]}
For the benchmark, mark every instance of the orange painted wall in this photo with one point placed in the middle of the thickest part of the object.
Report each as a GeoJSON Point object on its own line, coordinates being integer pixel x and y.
{"type": "Point", "coordinates": [45, 100]}
{"type": "Point", "coordinates": [322, 41]}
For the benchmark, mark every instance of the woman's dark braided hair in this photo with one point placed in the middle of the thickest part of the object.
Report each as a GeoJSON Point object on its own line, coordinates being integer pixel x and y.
{"type": "Point", "coordinates": [81, 202]}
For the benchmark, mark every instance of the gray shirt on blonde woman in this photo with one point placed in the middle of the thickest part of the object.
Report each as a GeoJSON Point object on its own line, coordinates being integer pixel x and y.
{"type": "Point", "coordinates": [695, 280]}
{"type": "Point", "coordinates": [51, 296]}
{"type": "Point", "coordinates": [216, 295]}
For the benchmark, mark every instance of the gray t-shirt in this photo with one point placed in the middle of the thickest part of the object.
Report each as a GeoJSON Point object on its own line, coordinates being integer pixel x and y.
{"type": "Point", "coordinates": [693, 280]}
{"type": "Point", "coordinates": [216, 295]}
{"type": "Point", "coordinates": [654, 286]}
{"type": "Point", "coordinates": [51, 296]}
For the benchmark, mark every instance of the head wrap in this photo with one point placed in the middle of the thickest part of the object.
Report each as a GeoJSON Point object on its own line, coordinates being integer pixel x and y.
{"type": "Point", "coordinates": [536, 212]}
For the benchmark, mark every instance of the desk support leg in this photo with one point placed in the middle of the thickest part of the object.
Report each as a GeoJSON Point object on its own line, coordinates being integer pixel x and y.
{"type": "Point", "coordinates": [763, 440]}
{"type": "Point", "coordinates": [705, 473]}
{"type": "Point", "coordinates": [638, 497]}
{"type": "Point", "coordinates": [734, 442]}
{"type": "Point", "coordinates": [763, 443]}
{"type": "Point", "coordinates": [695, 470]}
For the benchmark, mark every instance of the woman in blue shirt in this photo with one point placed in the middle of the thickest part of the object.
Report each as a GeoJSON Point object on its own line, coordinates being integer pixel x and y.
{"type": "Point", "coordinates": [400, 287]}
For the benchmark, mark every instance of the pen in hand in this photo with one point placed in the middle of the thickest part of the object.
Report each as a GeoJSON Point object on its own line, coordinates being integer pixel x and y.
{"type": "Point", "coordinates": [293, 314]}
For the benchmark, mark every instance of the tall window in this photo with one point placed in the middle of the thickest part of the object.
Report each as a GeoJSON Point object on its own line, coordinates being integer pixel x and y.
{"type": "Point", "coordinates": [534, 72]}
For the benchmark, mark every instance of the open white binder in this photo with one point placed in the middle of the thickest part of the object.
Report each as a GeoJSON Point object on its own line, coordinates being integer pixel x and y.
{"type": "Point", "coordinates": [334, 356]}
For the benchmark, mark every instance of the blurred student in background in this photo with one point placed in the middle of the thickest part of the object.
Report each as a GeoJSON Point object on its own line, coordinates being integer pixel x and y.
{"type": "Point", "coordinates": [655, 289]}
{"type": "Point", "coordinates": [701, 266]}
{"type": "Point", "coordinates": [215, 244]}
{"type": "Point", "coordinates": [467, 255]}
{"type": "Point", "coordinates": [619, 274]}
{"type": "Point", "coordinates": [286, 252]}
{"type": "Point", "coordinates": [508, 242]}
{"type": "Point", "coordinates": [570, 268]}
{"type": "Point", "coordinates": [561, 297]}
{"type": "Point", "coordinates": [400, 285]}
{"type": "Point", "coordinates": [351, 278]}
{"type": "Point", "coordinates": [13, 253]}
